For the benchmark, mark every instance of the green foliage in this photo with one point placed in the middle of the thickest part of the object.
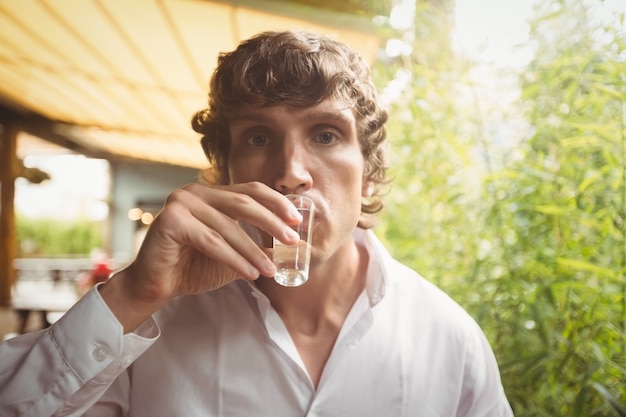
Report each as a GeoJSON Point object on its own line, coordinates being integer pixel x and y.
{"type": "Point", "coordinates": [531, 239]}
{"type": "Point", "coordinates": [45, 237]}
{"type": "Point", "coordinates": [566, 203]}
{"type": "Point", "coordinates": [431, 164]}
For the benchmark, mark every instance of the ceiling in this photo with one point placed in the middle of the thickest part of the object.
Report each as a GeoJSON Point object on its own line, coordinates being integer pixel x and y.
{"type": "Point", "coordinates": [122, 78]}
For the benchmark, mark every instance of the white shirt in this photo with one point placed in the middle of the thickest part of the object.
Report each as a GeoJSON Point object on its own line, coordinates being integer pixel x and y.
{"type": "Point", "coordinates": [405, 349]}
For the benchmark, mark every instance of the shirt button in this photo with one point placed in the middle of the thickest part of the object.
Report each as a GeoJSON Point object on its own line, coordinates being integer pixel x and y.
{"type": "Point", "coordinates": [127, 362]}
{"type": "Point", "coordinates": [100, 353]}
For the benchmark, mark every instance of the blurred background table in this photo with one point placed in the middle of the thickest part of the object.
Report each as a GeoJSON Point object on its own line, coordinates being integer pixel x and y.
{"type": "Point", "coordinates": [47, 288]}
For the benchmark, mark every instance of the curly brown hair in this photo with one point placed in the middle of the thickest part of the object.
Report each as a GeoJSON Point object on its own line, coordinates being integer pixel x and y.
{"type": "Point", "coordinates": [298, 68]}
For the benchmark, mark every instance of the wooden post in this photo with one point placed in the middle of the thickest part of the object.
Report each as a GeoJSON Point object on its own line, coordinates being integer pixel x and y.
{"type": "Point", "coordinates": [8, 174]}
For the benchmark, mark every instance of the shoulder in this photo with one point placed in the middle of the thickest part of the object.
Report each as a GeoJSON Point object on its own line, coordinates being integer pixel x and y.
{"type": "Point", "coordinates": [426, 313]}
{"type": "Point", "coordinates": [437, 328]}
{"type": "Point", "coordinates": [434, 332]}
{"type": "Point", "coordinates": [399, 288]}
{"type": "Point", "coordinates": [422, 298]}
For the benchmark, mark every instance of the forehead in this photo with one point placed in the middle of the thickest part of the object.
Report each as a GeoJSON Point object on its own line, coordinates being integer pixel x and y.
{"type": "Point", "coordinates": [328, 109]}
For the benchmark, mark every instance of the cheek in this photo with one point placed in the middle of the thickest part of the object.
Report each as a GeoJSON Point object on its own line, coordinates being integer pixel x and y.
{"type": "Point", "coordinates": [242, 170]}
{"type": "Point", "coordinates": [343, 182]}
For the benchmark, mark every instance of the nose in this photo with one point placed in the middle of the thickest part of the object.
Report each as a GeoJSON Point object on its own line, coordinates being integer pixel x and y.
{"type": "Point", "coordinates": [293, 170]}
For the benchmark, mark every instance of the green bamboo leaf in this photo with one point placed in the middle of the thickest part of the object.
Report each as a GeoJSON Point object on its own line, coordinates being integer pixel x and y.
{"type": "Point", "coordinates": [599, 128]}
{"type": "Point", "coordinates": [610, 398]}
{"type": "Point", "coordinates": [579, 141]}
{"type": "Point", "coordinates": [580, 265]}
{"type": "Point", "coordinates": [579, 405]}
{"type": "Point", "coordinates": [619, 95]}
{"type": "Point", "coordinates": [551, 209]}
{"type": "Point", "coordinates": [584, 184]}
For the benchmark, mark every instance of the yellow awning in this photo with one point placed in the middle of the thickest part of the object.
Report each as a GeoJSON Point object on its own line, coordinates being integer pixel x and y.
{"type": "Point", "coordinates": [124, 77]}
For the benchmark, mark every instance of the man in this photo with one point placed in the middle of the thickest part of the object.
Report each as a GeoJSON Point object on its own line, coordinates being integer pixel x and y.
{"type": "Point", "coordinates": [194, 326]}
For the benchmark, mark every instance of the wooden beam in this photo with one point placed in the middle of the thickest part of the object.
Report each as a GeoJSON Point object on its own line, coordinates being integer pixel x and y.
{"type": "Point", "coordinates": [8, 173]}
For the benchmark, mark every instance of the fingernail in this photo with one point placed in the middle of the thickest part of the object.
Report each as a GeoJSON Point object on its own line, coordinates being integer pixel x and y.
{"type": "Point", "coordinates": [293, 212]}
{"type": "Point", "coordinates": [293, 234]}
{"type": "Point", "coordinates": [269, 269]}
{"type": "Point", "coordinates": [253, 272]}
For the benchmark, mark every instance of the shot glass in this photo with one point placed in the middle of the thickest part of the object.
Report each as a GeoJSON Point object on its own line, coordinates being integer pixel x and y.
{"type": "Point", "coordinates": [292, 262]}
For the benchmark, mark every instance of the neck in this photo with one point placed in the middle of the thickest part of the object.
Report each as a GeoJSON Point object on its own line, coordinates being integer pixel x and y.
{"type": "Point", "coordinates": [315, 312]}
{"type": "Point", "coordinates": [327, 296]}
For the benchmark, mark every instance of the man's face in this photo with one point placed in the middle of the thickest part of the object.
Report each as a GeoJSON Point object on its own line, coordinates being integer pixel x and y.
{"type": "Point", "coordinates": [312, 151]}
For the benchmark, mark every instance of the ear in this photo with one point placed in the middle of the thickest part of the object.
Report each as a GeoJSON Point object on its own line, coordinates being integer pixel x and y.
{"type": "Point", "coordinates": [368, 188]}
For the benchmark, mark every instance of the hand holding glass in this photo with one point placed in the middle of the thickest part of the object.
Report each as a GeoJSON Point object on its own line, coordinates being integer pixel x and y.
{"type": "Point", "coordinates": [292, 262]}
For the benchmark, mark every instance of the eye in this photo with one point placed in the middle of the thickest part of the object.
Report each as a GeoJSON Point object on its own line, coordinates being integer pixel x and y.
{"type": "Point", "coordinates": [258, 140]}
{"type": "Point", "coordinates": [326, 138]}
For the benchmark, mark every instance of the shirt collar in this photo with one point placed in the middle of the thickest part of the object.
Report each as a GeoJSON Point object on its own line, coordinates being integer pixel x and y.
{"type": "Point", "coordinates": [377, 278]}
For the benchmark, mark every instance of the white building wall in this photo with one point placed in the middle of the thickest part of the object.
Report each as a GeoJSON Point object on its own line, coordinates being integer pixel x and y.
{"type": "Point", "coordinates": [133, 183]}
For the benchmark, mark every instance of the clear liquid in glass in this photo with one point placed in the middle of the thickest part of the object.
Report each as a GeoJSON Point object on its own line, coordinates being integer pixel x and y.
{"type": "Point", "coordinates": [292, 263]}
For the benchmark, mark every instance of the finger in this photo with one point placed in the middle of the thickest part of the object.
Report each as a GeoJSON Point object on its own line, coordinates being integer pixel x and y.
{"type": "Point", "coordinates": [276, 202]}
{"type": "Point", "coordinates": [224, 236]}
{"type": "Point", "coordinates": [252, 203]}
{"type": "Point", "coordinates": [269, 198]}
{"type": "Point", "coordinates": [233, 249]}
{"type": "Point", "coordinates": [225, 241]}
{"type": "Point", "coordinates": [226, 245]}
